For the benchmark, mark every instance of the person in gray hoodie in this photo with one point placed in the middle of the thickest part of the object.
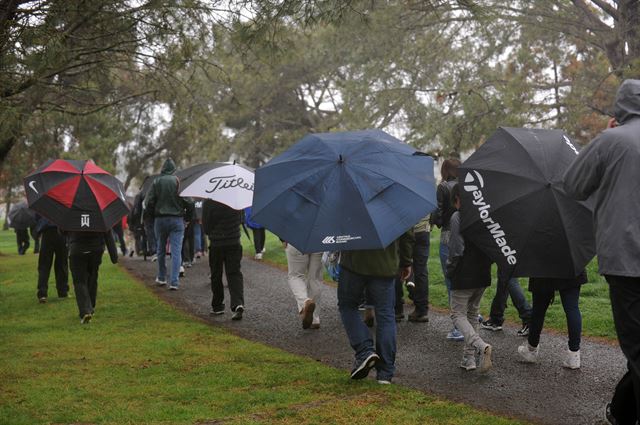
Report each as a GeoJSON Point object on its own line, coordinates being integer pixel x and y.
{"type": "Point", "coordinates": [608, 169]}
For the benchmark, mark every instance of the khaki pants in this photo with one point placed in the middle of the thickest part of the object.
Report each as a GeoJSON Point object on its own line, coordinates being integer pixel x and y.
{"type": "Point", "coordinates": [305, 277]}
{"type": "Point", "coordinates": [465, 304]}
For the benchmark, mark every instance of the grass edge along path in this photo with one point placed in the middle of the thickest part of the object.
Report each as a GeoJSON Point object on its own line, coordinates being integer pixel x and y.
{"type": "Point", "coordinates": [142, 361]}
{"type": "Point", "coordinates": [597, 319]}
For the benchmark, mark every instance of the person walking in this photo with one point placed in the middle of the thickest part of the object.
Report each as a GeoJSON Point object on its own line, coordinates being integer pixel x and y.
{"type": "Point", "coordinates": [53, 252]}
{"type": "Point", "coordinates": [85, 257]}
{"type": "Point", "coordinates": [441, 218]}
{"type": "Point", "coordinates": [169, 210]}
{"type": "Point", "coordinates": [543, 291]}
{"type": "Point", "coordinates": [470, 272]}
{"type": "Point", "coordinates": [508, 286]}
{"type": "Point", "coordinates": [259, 234]}
{"type": "Point", "coordinates": [118, 235]}
{"type": "Point", "coordinates": [607, 170]}
{"type": "Point", "coordinates": [305, 281]}
{"type": "Point", "coordinates": [222, 224]}
{"type": "Point", "coordinates": [22, 239]}
{"type": "Point", "coordinates": [374, 271]}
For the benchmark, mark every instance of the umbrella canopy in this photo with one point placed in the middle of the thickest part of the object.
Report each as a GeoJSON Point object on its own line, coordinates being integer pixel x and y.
{"type": "Point", "coordinates": [21, 216]}
{"type": "Point", "coordinates": [344, 191]}
{"type": "Point", "coordinates": [515, 209]}
{"type": "Point", "coordinates": [76, 195]}
{"type": "Point", "coordinates": [146, 184]}
{"type": "Point", "coordinates": [228, 183]}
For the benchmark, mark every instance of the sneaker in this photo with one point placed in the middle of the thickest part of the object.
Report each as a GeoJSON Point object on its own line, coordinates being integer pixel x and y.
{"type": "Point", "coordinates": [608, 416]}
{"type": "Point", "coordinates": [528, 354]}
{"type": "Point", "coordinates": [263, 250]}
{"type": "Point", "coordinates": [362, 370]}
{"type": "Point", "coordinates": [384, 382]}
{"type": "Point", "coordinates": [85, 319]}
{"type": "Point", "coordinates": [468, 363]}
{"type": "Point", "coordinates": [572, 361]}
{"type": "Point", "coordinates": [417, 317]}
{"type": "Point", "coordinates": [181, 274]}
{"type": "Point", "coordinates": [455, 335]}
{"type": "Point", "coordinates": [307, 313]}
{"type": "Point", "coordinates": [399, 317]}
{"type": "Point", "coordinates": [188, 264]}
{"type": "Point", "coordinates": [161, 282]}
{"type": "Point", "coordinates": [362, 307]}
{"type": "Point", "coordinates": [524, 331]}
{"type": "Point", "coordinates": [154, 258]}
{"type": "Point", "coordinates": [369, 317]}
{"type": "Point", "coordinates": [237, 313]}
{"type": "Point", "coordinates": [173, 287]}
{"type": "Point", "coordinates": [258, 256]}
{"type": "Point", "coordinates": [485, 359]}
{"type": "Point", "coordinates": [480, 318]}
{"type": "Point", "coordinates": [215, 312]}
{"type": "Point", "coordinates": [315, 325]}
{"type": "Point", "coordinates": [492, 326]}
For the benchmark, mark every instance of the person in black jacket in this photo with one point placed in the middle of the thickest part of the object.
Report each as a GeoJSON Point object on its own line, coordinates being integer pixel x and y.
{"type": "Point", "coordinates": [470, 272]}
{"type": "Point", "coordinates": [222, 225]}
{"type": "Point", "coordinates": [85, 257]}
{"type": "Point", "coordinates": [543, 291]}
{"type": "Point", "coordinates": [53, 245]}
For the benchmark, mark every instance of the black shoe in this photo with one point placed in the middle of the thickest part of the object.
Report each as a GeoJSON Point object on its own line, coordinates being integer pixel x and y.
{"type": "Point", "coordinates": [608, 416]}
{"type": "Point", "coordinates": [42, 300]}
{"type": "Point", "coordinates": [362, 370]}
{"type": "Point", "coordinates": [237, 313]}
{"type": "Point", "coordinates": [524, 331]}
{"type": "Point", "coordinates": [418, 317]}
{"type": "Point", "coordinates": [492, 326]}
{"type": "Point", "coordinates": [214, 312]}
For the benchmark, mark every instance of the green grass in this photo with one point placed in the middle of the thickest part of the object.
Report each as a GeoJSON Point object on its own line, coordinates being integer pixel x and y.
{"type": "Point", "coordinates": [142, 362]}
{"type": "Point", "coordinates": [595, 306]}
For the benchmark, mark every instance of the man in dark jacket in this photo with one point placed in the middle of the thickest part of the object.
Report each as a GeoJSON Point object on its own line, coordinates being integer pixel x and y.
{"type": "Point", "coordinates": [608, 168]}
{"type": "Point", "coordinates": [222, 224]}
{"type": "Point", "coordinates": [373, 271]}
{"type": "Point", "coordinates": [168, 209]}
{"type": "Point", "coordinates": [53, 245]}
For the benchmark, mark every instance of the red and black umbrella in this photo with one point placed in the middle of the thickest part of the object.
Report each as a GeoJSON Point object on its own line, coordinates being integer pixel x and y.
{"type": "Point", "coordinates": [76, 195]}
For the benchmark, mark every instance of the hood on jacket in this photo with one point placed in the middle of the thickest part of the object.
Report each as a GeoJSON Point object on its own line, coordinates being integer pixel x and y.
{"type": "Point", "coordinates": [169, 167]}
{"type": "Point", "coordinates": [627, 104]}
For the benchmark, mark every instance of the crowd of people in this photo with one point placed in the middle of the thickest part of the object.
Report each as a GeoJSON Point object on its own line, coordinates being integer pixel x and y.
{"type": "Point", "coordinates": [607, 170]}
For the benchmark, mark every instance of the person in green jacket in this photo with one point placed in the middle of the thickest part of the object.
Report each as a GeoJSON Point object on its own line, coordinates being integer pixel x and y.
{"type": "Point", "coordinates": [375, 272]}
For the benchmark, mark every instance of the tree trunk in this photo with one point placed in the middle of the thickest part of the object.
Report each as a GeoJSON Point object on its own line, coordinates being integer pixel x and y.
{"type": "Point", "coordinates": [7, 200]}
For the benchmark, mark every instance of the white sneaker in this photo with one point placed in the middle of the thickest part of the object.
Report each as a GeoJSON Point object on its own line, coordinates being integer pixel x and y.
{"type": "Point", "coordinates": [572, 361]}
{"type": "Point", "coordinates": [258, 256]}
{"type": "Point", "coordinates": [161, 282]}
{"type": "Point", "coordinates": [528, 354]}
{"type": "Point", "coordinates": [181, 274]}
{"type": "Point", "coordinates": [468, 363]}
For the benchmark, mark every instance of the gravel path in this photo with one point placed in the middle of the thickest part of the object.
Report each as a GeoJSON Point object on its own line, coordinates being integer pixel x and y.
{"type": "Point", "coordinates": [542, 393]}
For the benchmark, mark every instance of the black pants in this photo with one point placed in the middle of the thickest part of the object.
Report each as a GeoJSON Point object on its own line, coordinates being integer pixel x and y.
{"type": "Point", "coordinates": [625, 303]}
{"type": "Point", "coordinates": [22, 238]}
{"type": "Point", "coordinates": [84, 269]}
{"type": "Point", "coordinates": [258, 239]}
{"type": "Point", "coordinates": [118, 232]}
{"type": "Point", "coordinates": [53, 245]}
{"type": "Point", "coordinates": [36, 239]}
{"type": "Point", "coordinates": [188, 244]}
{"type": "Point", "coordinates": [227, 257]}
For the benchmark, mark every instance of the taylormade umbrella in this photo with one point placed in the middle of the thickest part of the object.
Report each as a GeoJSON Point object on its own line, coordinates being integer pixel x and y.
{"type": "Point", "coordinates": [21, 216]}
{"type": "Point", "coordinates": [344, 191]}
{"type": "Point", "coordinates": [515, 209]}
{"type": "Point", "coordinates": [76, 195]}
{"type": "Point", "coordinates": [228, 183]}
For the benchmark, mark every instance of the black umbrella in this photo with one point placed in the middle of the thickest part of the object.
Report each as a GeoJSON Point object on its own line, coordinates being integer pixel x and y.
{"type": "Point", "coordinates": [146, 184]}
{"type": "Point", "coordinates": [515, 209]}
{"type": "Point", "coordinates": [21, 216]}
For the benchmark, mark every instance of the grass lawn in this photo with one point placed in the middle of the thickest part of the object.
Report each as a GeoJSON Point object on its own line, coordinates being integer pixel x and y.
{"type": "Point", "coordinates": [142, 362]}
{"type": "Point", "coordinates": [594, 297]}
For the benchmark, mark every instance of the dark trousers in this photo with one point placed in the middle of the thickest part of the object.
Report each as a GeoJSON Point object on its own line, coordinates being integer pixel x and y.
{"type": "Point", "coordinates": [150, 235]}
{"type": "Point", "coordinates": [36, 239]}
{"type": "Point", "coordinates": [570, 298]}
{"type": "Point", "coordinates": [258, 239]}
{"type": "Point", "coordinates": [509, 287]}
{"type": "Point", "coordinates": [84, 270]}
{"type": "Point", "coordinates": [227, 258]}
{"type": "Point", "coordinates": [419, 276]}
{"type": "Point", "coordinates": [53, 245]}
{"type": "Point", "coordinates": [188, 244]}
{"type": "Point", "coordinates": [118, 232]}
{"type": "Point", "coordinates": [625, 304]}
{"type": "Point", "coordinates": [22, 238]}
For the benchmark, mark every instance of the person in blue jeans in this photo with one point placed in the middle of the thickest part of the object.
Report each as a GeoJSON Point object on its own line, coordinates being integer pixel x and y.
{"type": "Point", "coordinates": [508, 286]}
{"type": "Point", "coordinates": [373, 271]}
{"type": "Point", "coordinates": [169, 210]}
{"type": "Point", "coordinates": [543, 291]}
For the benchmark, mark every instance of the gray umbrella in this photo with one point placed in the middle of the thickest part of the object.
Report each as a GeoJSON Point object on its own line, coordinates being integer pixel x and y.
{"type": "Point", "coordinates": [21, 216]}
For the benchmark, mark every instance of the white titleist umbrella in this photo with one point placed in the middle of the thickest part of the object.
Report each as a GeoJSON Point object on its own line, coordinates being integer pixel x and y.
{"type": "Point", "coordinates": [228, 183]}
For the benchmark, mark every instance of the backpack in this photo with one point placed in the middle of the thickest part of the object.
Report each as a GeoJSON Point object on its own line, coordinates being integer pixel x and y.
{"type": "Point", "coordinates": [331, 261]}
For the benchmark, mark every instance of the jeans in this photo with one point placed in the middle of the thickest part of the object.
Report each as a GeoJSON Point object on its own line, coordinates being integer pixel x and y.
{"type": "Point", "coordinates": [465, 304]}
{"type": "Point", "coordinates": [305, 277]}
{"type": "Point", "coordinates": [171, 228]}
{"type": "Point", "coordinates": [227, 257]}
{"type": "Point", "coordinates": [197, 237]}
{"type": "Point", "coordinates": [509, 287]}
{"type": "Point", "coordinates": [53, 244]}
{"type": "Point", "coordinates": [570, 298]}
{"type": "Point", "coordinates": [625, 303]}
{"type": "Point", "coordinates": [380, 292]}
{"type": "Point", "coordinates": [84, 269]}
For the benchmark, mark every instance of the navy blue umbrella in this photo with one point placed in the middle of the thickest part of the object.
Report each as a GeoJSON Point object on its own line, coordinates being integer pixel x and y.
{"type": "Point", "coordinates": [344, 191]}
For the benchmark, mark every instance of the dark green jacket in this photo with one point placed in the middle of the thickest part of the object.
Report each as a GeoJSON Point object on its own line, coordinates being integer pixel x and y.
{"type": "Point", "coordinates": [381, 262]}
{"type": "Point", "coordinates": [163, 198]}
